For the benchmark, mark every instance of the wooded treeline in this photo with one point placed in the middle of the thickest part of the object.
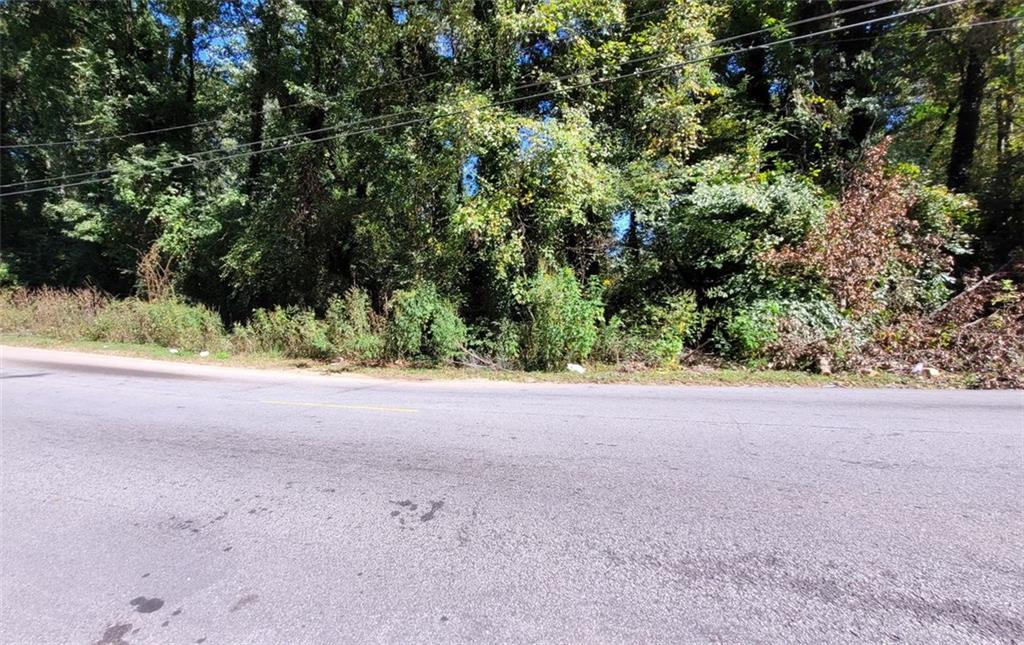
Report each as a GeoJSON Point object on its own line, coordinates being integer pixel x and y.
{"type": "Point", "coordinates": [548, 179]}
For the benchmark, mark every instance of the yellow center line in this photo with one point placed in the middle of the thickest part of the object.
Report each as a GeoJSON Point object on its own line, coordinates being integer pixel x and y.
{"type": "Point", "coordinates": [341, 406]}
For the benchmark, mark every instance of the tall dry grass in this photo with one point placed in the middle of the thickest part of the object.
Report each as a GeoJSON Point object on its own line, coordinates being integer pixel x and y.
{"type": "Point", "coordinates": [65, 314]}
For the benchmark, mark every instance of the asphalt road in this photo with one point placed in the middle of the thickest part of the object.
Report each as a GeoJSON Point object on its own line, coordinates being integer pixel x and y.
{"type": "Point", "coordinates": [151, 503]}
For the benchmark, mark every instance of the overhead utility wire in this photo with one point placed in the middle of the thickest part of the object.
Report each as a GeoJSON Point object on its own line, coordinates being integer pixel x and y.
{"type": "Point", "coordinates": [491, 105]}
{"type": "Point", "coordinates": [362, 122]}
{"type": "Point", "coordinates": [289, 106]}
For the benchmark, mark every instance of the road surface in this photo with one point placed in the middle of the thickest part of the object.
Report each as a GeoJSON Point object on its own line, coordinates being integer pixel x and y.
{"type": "Point", "coordinates": [147, 502]}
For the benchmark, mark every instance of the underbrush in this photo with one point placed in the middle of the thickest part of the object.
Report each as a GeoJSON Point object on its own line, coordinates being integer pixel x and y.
{"type": "Point", "coordinates": [979, 332]}
{"type": "Point", "coordinates": [88, 314]}
{"type": "Point", "coordinates": [978, 335]}
{"type": "Point", "coordinates": [169, 323]}
{"type": "Point", "coordinates": [55, 313]}
{"type": "Point", "coordinates": [421, 326]}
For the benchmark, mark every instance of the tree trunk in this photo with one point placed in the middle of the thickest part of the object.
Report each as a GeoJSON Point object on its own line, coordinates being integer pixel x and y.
{"type": "Point", "coordinates": [859, 83]}
{"type": "Point", "coordinates": [633, 236]}
{"type": "Point", "coordinates": [1005, 106]}
{"type": "Point", "coordinates": [968, 120]}
{"type": "Point", "coordinates": [758, 84]}
{"type": "Point", "coordinates": [818, 60]}
{"type": "Point", "coordinates": [256, 122]}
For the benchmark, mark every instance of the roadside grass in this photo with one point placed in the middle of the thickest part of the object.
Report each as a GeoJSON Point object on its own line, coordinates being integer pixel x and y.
{"type": "Point", "coordinates": [609, 374]}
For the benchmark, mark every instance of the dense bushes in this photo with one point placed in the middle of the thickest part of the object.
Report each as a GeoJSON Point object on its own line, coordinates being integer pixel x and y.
{"type": "Point", "coordinates": [421, 326]}
{"type": "Point", "coordinates": [656, 337]}
{"type": "Point", "coordinates": [425, 325]}
{"type": "Point", "coordinates": [979, 332]}
{"type": "Point", "coordinates": [86, 314]}
{"type": "Point", "coordinates": [291, 332]}
{"type": "Point", "coordinates": [169, 323]}
{"type": "Point", "coordinates": [561, 321]}
{"type": "Point", "coordinates": [353, 329]}
{"type": "Point", "coordinates": [349, 330]}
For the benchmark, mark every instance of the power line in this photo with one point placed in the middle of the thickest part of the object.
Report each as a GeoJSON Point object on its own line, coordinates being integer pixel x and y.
{"type": "Point", "coordinates": [935, 30]}
{"type": "Point", "coordinates": [495, 104]}
{"type": "Point", "coordinates": [434, 117]}
{"type": "Point", "coordinates": [362, 122]}
{"type": "Point", "coordinates": [282, 108]}
{"type": "Point", "coordinates": [358, 122]}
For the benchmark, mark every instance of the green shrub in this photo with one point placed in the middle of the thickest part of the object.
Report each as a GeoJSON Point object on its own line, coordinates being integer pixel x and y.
{"type": "Point", "coordinates": [425, 325]}
{"type": "Point", "coordinates": [615, 342]}
{"type": "Point", "coordinates": [8, 278]}
{"type": "Point", "coordinates": [291, 332]}
{"type": "Point", "coordinates": [561, 322]}
{"type": "Point", "coordinates": [169, 323]}
{"type": "Point", "coordinates": [790, 333]}
{"type": "Point", "coordinates": [353, 329]}
{"type": "Point", "coordinates": [656, 338]}
{"type": "Point", "coordinates": [498, 342]}
{"type": "Point", "coordinates": [668, 328]}
{"type": "Point", "coordinates": [745, 333]}
{"type": "Point", "coordinates": [54, 313]}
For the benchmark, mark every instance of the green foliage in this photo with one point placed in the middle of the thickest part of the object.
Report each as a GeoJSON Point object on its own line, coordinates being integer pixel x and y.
{"type": "Point", "coordinates": [669, 326]}
{"type": "Point", "coordinates": [746, 333]}
{"type": "Point", "coordinates": [353, 329]}
{"type": "Point", "coordinates": [560, 322]}
{"type": "Point", "coordinates": [723, 224]}
{"type": "Point", "coordinates": [288, 331]}
{"type": "Point", "coordinates": [168, 323]}
{"type": "Point", "coordinates": [7, 276]}
{"type": "Point", "coordinates": [498, 342]}
{"type": "Point", "coordinates": [657, 338]}
{"type": "Point", "coordinates": [425, 325]}
{"type": "Point", "coordinates": [787, 333]}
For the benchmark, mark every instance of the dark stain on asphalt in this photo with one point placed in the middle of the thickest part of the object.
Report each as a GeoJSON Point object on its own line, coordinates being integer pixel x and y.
{"type": "Point", "coordinates": [165, 623]}
{"type": "Point", "coordinates": [769, 573]}
{"type": "Point", "coordinates": [434, 508]}
{"type": "Point", "coordinates": [227, 548]}
{"type": "Point", "coordinates": [244, 600]}
{"type": "Point", "coordinates": [106, 370]}
{"type": "Point", "coordinates": [444, 619]}
{"type": "Point", "coordinates": [201, 640]}
{"type": "Point", "coordinates": [176, 611]}
{"type": "Point", "coordinates": [406, 503]}
{"type": "Point", "coordinates": [330, 490]}
{"type": "Point", "coordinates": [395, 513]}
{"type": "Point", "coordinates": [145, 605]}
{"type": "Point", "coordinates": [870, 463]}
{"type": "Point", "coordinates": [145, 575]}
{"type": "Point", "coordinates": [114, 635]}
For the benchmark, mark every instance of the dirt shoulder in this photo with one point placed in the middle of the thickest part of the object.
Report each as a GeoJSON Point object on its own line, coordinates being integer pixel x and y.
{"type": "Point", "coordinates": [594, 374]}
